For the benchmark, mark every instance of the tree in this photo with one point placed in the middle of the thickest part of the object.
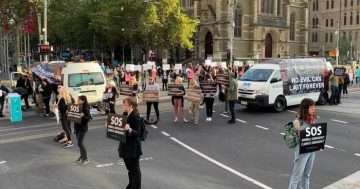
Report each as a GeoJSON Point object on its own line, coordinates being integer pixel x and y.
{"type": "Point", "coordinates": [344, 50]}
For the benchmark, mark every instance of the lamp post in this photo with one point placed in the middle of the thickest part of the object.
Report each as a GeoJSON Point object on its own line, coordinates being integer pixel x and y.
{"type": "Point", "coordinates": [45, 27]}
{"type": "Point", "coordinates": [231, 29]}
{"type": "Point", "coordinates": [337, 43]}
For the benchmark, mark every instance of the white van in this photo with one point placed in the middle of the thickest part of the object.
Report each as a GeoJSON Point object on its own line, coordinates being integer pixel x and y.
{"type": "Point", "coordinates": [84, 79]}
{"type": "Point", "coordinates": [280, 83]}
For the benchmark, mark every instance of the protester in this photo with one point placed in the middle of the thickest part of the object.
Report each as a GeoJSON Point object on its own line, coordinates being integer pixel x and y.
{"type": "Point", "coordinates": [153, 73]}
{"type": "Point", "coordinates": [178, 102]}
{"type": "Point", "coordinates": [82, 128]}
{"type": "Point", "coordinates": [334, 82]}
{"type": "Point", "coordinates": [232, 96]}
{"type": "Point", "coordinates": [190, 74]}
{"type": "Point", "coordinates": [347, 82]}
{"type": "Point", "coordinates": [357, 76]}
{"type": "Point", "coordinates": [131, 150]}
{"type": "Point", "coordinates": [209, 99]}
{"type": "Point", "coordinates": [64, 100]}
{"type": "Point", "coordinates": [109, 97]}
{"type": "Point", "coordinates": [3, 93]}
{"type": "Point", "coordinates": [152, 86]}
{"type": "Point", "coordinates": [127, 77]}
{"type": "Point", "coordinates": [165, 79]}
{"type": "Point", "coordinates": [144, 77]}
{"type": "Point", "coordinates": [303, 162]}
{"type": "Point", "coordinates": [23, 95]}
{"type": "Point", "coordinates": [46, 95]}
{"type": "Point", "coordinates": [340, 90]}
{"type": "Point", "coordinates": [135, 87]}
{"type": "Point", "coordinates": [194, 107]}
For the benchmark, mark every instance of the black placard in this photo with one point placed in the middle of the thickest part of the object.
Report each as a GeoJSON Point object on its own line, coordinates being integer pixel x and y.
{"type": "Point", "coordinates": [313, 138]}
{"type": "Point", "coordinates": [175, 90]}
{"type": "Point", "coordinates": [194, 95]}
{"type": "Point", "coordinates": [116, 127]}
{"type": "Point", "coordinates": [207, 87]}
{"type": "Point", "coordinates": [151, 96]}
{"type": "Point", "coordinates": [74, 113]}
{"type": "Point", "coordinates": [126, 90]}
{"type": "Point", "coordinates": [223, 79]}
{"type": "Point", "coordinates": [339, 71]}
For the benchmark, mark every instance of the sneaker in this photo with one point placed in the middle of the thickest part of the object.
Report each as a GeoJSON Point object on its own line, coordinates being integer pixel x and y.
{"type": "Point", "coordinates": [210, 118]}
{"type": "Point", "coordinates": [85, 161]}
{"type": "Point", "coordinates": [79, 160]}
{"type": "Point", "coordinates": [231, 122]}
{"type": "Point", "coordinates": [175, 120]}
{"type": "Point", "coordinates": [207, 119]}
{"type": "Point", "coordinates": [68, 145]}
{"type": "Point", "coordinates": [186, 121]}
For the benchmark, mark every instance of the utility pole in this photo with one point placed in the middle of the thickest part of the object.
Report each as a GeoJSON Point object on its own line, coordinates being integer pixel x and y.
{"type": "Point", "coordinates": [337, 43]}
{"type": "Point", "coordinates": [231, 29]}
{"type": "Point", "coordinates": [39, 28]}
{"type": "Point", "coordinates": [45, 27]}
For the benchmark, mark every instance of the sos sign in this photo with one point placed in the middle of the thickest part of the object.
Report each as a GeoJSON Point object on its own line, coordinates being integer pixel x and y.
{"type": "Point", "coordinates": [313, 138]}
{"type": "Point", "coordinates": [116, 127]}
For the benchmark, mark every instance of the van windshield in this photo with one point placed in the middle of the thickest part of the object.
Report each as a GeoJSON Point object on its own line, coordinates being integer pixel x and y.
{"type": "Point", "coordinates": [257, 75]}
{"type": "Point", "coordinates": [83, 79]}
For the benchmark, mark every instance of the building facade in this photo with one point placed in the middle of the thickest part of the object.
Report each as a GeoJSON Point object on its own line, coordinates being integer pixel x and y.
{"type": "Point", "coordinates": [257, 28]}
{"type": "Point", "coordinates": [327, 18]}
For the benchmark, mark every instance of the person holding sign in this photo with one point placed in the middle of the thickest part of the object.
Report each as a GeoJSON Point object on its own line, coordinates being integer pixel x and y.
{"type": "Point", "coordinates": [131, 150]}
{"type": "Point", "coordinates": [178, 102]}
{"type": "Point", "coordinates": [135, 87]}
{"type": "Point", "coordinates": [303, 162]}
{"type": "Point", "coordinates": [152, 86]}
{"type": "Point", "coordinates": [64, 100]}
{"type": "Point", "coordinates": [82, 128]}
{"type": "Point", "coordinates": [109, 97]}
{"type": "Point", "coordinates": [209, 99]}
{"type": "Point", "coordinates": [232, 96]}
{"type": "Point", "coordinates": [194, 107]}
{"type": "Point", "coordinates": [165, 79]}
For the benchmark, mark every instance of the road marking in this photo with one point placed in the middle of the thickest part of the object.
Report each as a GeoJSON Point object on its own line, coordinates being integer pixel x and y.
{"type": "Point", "coordinates": [220, 164]}
{"type": "Point", "coordinates": [165, 133]}
{"type": "Point", "coordinates": [292, 111]}
{"type": "Point", "coordinates": [105, 165]}
{"type": "Point", "coordinates": [241, 120]}
{"type": "Point", "coordinates": [224, 115]}
{"type": "Point", "coordinates": [261, 127]}
{"type": "Point", "coordinates": [153, 126]}
{"type": "Point", "coordinates": [282, 133]}
{"type": "Point", "coordinates": [357, 154]}
{"type": "Point", "coordinates": [338, 121]}
{"type": "Point", "coordinates": [327, 146]}
{"type": "Point", "coordinates": [2, 162]}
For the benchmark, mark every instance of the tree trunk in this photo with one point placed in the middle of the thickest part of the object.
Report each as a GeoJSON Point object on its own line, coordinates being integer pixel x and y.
{"type": "Point", "coordinates": [17, 47]}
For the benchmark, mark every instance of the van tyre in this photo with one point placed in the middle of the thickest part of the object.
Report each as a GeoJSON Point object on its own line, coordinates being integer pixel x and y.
{"type": "Point", "coordinates": [279, 104]}
{"type": "Point", "coordinates": [323, 98]}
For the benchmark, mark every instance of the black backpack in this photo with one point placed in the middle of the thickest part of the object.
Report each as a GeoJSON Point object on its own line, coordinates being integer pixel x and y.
{"type": "Point", "coordinates": [143, 131]}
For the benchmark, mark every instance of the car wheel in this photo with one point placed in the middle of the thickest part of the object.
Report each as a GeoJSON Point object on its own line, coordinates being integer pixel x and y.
{"type": "Point", "coordinates": [279, 104]}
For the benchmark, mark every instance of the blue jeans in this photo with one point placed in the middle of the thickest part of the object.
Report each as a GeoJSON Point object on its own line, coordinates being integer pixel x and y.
{"type": "Point", "coordinates": [334, 91]}
{"type": "Point", "coordinates": [302, 169]}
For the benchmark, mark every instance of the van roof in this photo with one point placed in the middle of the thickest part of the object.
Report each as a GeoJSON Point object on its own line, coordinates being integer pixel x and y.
{"type": "Point", "coordinates": [89, 66]}
{"type": "Point", "coordinates": [278, 61]}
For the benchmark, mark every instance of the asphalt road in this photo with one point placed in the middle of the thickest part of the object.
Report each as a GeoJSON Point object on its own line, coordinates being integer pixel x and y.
{"type": "Point", "coordinates": [212, 155]}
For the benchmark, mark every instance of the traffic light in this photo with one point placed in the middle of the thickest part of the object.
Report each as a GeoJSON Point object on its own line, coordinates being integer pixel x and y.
{"type": "Point", "coordinates": [45, 49]}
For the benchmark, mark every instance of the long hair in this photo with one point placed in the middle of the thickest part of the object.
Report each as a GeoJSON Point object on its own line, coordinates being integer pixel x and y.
{"type": "Point", "coordinates": [132, 102]}
{"type": "Point", "coordinates": [83, 98]}
{"type": "Point", "coordinates": [303, 113]}
{"type": "Point", "coordinates": [65, 93]}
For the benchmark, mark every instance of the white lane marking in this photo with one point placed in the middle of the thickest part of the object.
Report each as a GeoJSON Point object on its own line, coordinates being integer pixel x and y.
{"type": "Point", "coordinates": [153, 126]}
{"type": "Point", "coordinates": [340, 149]}
{"type": "Point", "coordinates": [357, 154]}
{"type": "Point", "coordinates": [292, 111]}
{"type": "Point", "coordinates": [165, 133]}
{"type": "Point", "coordinates": [327, 146]}
{"type": "Point", "coordinates": [221, 165]}
{"type": "Point", "coordinates": [242, 121]}
{"type": "Point", "coordinates": [282, 133]}
{"type": "Point", "coordinates": [105, 165]}
{"type": "Point", "coordinates": [2, 162]}
{"type": "Point", "coordinates": [224, 115]}
{"type": "Point", "coordinates": [261, 127]}
{"type": "Point", "coordinates": [339, 121]}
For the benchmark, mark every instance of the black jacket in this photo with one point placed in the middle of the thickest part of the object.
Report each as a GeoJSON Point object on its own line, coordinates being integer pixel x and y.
{"type": "Point", "coordinates": [132, 147]}
{"type": "Point", "coordinates": [3, 88]}
{"type": "Point", "coordinates": [83, 127]}
{"type": "Point", "coordinates": [47, 91]}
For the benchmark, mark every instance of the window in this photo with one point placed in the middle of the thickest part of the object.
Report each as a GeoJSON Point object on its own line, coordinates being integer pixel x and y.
{"type": "Point", "coordinates": [83, 79]}
{"type": "Point", "coordinates": [332, 4]}
{"type": "Point", "coordinates": [332, 22]}
{"type": "Point", "coordinates": [326, 37]}
{"type": "Point", "coordinates": [238, 22]}
{"type": "Point", "coordinates": [292, 27]}
{"type": "Point", "coordinates": [351, 18]}
{"type": "Point", "coordinates": [267, 6]}
{"type": "Point", "coordinates": [257, 75]}
{"type": "Point", "coordinates": [327, 4]}
{"type": "Point", "coordinates": [316, 5]}
{"type": "Point", "coordinates": [279, 3]}
{"type": "Point", "coordinates": [357, 18]}
{"type": "Point", "coordinates": [327, 23]}
{"type": "Point", "coordinates": [314, 37]}
{"type": "Point", "coordinates": [358, 2]}
{"type": "Point", "coordinates": [345, 3]}
{"type": "Point", "coordinates": [315, 22]}
{"type": "Point", "coordinates": [277, 75]}
{"type": "Point", "coordinates": [345, 19]}
{"type": "Point", "coordinates": [351, 2]}
{"type": "Point", "coordinates": [331, 37]}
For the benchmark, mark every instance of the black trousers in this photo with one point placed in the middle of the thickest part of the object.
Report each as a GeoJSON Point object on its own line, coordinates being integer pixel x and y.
{"type": "Point", "coordinates": [66, 126]}
{"type": "Point", "coordinates": [80, 138]}
{"type": "Point", "coordinates": [164, 84]}
{"type": "Point", "coordinates": [134, 172]}
{"type": "Point", "coordinates": [232, 109]}
{"type": "Point", "coordinates": [26, 100]}
{"type": "Point", "coordinates": [148, 110]}
{"type": "Point", "coordinates": [2, 104]}
{"type": "Point", "coordinates": [209, 102]}
{"type": "Point", "coordinates": [47, 105]}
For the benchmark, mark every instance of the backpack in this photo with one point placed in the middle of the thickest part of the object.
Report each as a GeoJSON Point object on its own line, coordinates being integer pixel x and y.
{"type": "Point", "coordinates": [290, 135]}
{"type": "Point", "coordinates": [143, 131]}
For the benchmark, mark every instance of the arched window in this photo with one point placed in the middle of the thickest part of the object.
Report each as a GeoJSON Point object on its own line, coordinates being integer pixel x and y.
{"type": "Point", "coordinates": [327, 4]}
{"type": "Point", "coordinates": [332, 4]}
{"type": "Point", "coordinates": [357, 18]}
{"type": "Point", "coordinates": [292, 27]}
{"type": "Point", "coordinates": [237, 22]}
{"type": "Point", "coordinates": [267, 6]}
{"type": "Point", "coordinates": [345, 19]}
{"type": "Point", "coordinates": [351, 18]}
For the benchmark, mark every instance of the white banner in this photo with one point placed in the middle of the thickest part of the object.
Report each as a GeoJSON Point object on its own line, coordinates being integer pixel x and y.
{"type": "Point", "coordinates": [146, 66]}
{"type": "Point", "coordinates": [223, 65]}
{"type": "Point", "coordinates": [214, 64]}
{"type": "Point", "coordinates": [166, 66]}
{"type": "Point", "coordinates": [130, 67]}
{"type": "Point", "coordinates": [137, 68]}
{"type": "Point", "coordinates": [208, 62]}
{"type": "Point", "coordinates": [178, 66]}
{"type": "Point", "coordinates": [238, 63]}
{"type": "Point", "coordinates": [151, 63]}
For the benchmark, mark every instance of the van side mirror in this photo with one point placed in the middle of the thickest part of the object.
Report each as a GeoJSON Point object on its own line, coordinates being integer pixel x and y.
{"type": "Point", "coordinates": [275, 80]}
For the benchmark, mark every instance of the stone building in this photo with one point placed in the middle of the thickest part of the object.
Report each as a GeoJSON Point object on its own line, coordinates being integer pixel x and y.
{"type": "Point", "coordinates": [324, 18]}
{"type": "Point", "coordinates": [261, 28]}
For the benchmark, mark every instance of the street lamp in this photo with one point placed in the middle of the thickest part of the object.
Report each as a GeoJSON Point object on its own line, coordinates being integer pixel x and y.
{"type": "Point", "coordinates": [337, 43]}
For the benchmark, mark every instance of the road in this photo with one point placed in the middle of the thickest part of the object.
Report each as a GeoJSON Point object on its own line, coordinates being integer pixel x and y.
{"type": "Point", "coordinates": [213, 155]}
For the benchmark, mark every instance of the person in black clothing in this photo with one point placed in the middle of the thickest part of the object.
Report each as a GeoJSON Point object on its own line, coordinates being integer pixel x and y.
{"type": "Point", "coordinates": [165, 79]}
{"type": "Point", "coordinates": [46, 92]}
{"type": "Point", "coordinates": [131, 150]}
{"type": "Point", "coordinates": [24, 95]}
{"type": "Point", "coordinates": [64, 100]}
{"type": "Point", "coordinates": [152, 86]}
{"type": "Point", "coordinates": [3, 92]}
{"type": "Point", "coordinates": [109, 98]}
{"type": "Point", "coordinates": [82, 128]}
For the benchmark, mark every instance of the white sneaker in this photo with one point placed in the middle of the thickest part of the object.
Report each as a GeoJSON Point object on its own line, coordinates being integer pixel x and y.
{"type": "Point", "coordinates": [210, 119]}
{"type": "Point", "coordinates": [207, 119]}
